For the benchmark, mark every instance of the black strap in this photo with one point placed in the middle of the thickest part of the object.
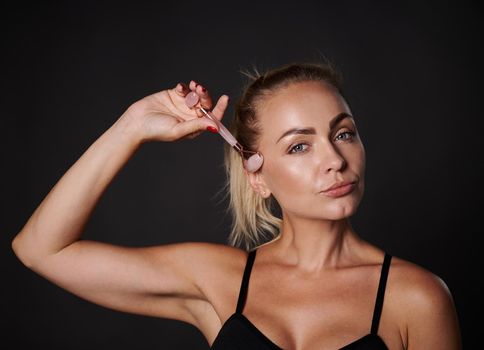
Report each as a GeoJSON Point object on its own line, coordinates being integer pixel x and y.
{"type": "Point", "coordinates": [381, 293]}
{"type": "Point", "coordinates": [245, 281]}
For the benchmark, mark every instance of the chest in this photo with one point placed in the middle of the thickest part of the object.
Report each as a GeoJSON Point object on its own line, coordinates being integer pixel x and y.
{"type": "Point", "coordinates": [304, 312]}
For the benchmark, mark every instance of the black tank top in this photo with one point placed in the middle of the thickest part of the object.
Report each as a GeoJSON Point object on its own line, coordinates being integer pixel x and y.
{"type": "Point", "coordinates": [238, 333]}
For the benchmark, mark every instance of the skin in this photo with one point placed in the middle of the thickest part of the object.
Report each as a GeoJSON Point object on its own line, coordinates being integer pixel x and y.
{"type": "Point", "coordinates": [289, 299]}
{"type": "Point", "coordinates": [311, 219]}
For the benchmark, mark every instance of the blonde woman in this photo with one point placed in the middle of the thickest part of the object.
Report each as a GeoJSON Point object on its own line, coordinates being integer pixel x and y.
{"type": "Point", "coordinates": [304, 280]}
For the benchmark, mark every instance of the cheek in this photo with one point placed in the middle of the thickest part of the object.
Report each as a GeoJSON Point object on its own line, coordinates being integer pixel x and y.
{"type": "Point", "coordinates": [289, 178]}
{"type": "Point", "coordinates": [357, 164]}
{"type": "Point", "coordinates": [358, 161]}
{"type": "Point", "coordinates": [291, 181]}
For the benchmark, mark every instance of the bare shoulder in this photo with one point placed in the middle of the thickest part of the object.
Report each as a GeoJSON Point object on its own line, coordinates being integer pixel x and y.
{"type": "Point", "coordinates": [418, 286]}
{"type": "Point", "coordinates": [424, 305]}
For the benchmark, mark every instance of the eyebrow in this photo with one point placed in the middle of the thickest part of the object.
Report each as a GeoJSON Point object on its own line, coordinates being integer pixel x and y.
{"type": "Point", "coordinates": [311, 131]}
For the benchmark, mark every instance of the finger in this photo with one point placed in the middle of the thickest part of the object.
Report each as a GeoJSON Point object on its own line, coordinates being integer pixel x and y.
{"type": "Point", "coordinates": [191, 126]}
{"type": "Point", "coordinates": [205, 99]}
{"type": "Point", "coordinates": [220, 107]}
{"type": "Point", "coordinates": [200, 114]}
{"type": "Point", "coordinates": [182, 89]}
{"type": "Point", "coordinates": [193, 135]}
{"type": "Point", "coordinates": [193, 85]}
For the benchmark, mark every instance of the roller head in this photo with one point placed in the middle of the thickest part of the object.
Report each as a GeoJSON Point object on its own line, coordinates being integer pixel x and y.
{"type": "Point", "coordinates": [253, 163]}
{"type": "Point", "coordinates": [191, 99]}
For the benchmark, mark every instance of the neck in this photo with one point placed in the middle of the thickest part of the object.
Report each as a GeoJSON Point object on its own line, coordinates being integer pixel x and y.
{"type": "Point", "coordinates": [314, 245]}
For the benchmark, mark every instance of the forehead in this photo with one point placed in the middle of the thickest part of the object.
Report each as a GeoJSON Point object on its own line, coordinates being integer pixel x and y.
{"type": "Point", "coordinates": [302, 104]}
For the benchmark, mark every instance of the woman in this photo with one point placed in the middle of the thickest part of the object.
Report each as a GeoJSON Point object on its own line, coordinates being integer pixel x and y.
{"type": "Point", "coordinates": [314, 284]}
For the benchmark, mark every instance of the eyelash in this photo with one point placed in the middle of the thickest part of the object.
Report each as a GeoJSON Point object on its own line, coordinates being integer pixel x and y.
{"type": "Point", "coordinates": [351, 133]}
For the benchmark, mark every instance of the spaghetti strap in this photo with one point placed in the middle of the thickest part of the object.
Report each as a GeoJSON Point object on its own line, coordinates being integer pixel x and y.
{"type": "Point", "coordinates": [380, 294]}
{"type": "Point", "coordinates": [245, 281]}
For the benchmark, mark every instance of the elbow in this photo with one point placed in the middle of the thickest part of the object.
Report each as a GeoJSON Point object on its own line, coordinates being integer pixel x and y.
{"type": "Point", "coordinates": [21, 252]}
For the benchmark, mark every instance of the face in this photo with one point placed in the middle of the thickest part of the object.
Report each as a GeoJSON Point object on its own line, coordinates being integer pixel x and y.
{"type": "Point", "coordinates": [309, 142]}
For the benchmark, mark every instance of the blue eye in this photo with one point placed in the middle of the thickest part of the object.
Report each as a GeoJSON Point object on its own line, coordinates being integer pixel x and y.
{"type": "Point", "coordinates": [298, 148]}
{"type": "Point", "coordinates": [351, 133]}
{"type": "Point", "coordinates": [302, 147]}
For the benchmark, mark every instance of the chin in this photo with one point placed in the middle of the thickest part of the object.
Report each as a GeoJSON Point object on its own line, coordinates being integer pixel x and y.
{"type": "Point", "coordinates": [335, 211]}
{"type": "Point", "coordinates": [327, 209]}
{"type": "Point", "coordinates": [340, 212]}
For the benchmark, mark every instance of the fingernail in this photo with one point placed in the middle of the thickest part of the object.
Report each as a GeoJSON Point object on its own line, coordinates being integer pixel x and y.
{"type": "Point", "coordinates": [203, 89]}
{"type": "Point", "coordinates": [212, 129]}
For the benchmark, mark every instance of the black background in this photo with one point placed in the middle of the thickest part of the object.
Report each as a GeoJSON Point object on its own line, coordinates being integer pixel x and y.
{"type": "Point", "coordinates": [71, 69]}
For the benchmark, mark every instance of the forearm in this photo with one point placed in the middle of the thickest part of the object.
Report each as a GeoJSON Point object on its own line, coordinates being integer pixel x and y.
{"type": "Point", "coordinates": [61, 217]}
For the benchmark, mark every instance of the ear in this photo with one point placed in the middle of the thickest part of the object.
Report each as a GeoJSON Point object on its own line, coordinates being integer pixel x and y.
{"type": "Point", "coordinates": [258, 184]}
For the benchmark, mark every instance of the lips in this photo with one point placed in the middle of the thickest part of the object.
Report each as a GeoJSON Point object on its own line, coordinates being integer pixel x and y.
{"type": "Point", "coordinates": [339, 189]}
{"type": "Point", "coordinates": [338, 184]}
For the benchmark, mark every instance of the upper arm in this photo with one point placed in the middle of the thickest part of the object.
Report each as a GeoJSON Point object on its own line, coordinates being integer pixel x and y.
{"type": "Point", "coordinates": [162, 281]}
{"type": "Point", "coordinates": [432, 321]}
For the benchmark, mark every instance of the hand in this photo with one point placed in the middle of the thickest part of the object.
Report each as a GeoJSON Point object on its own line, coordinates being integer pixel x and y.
{"type": "Point", "coordinates": [164, 116]}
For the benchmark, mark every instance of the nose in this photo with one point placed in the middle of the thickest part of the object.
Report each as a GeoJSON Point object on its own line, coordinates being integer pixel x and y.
{"type": "Point", "coordinates": [331, 159]}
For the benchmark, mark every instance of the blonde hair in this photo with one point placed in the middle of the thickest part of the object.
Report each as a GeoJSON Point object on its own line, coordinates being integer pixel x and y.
{"type": "Point", "coordinates": [254, 219]}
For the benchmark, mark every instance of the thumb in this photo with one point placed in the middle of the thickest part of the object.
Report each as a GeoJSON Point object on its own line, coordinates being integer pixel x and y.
{"type": "Point", "coordinates": [192, 126]}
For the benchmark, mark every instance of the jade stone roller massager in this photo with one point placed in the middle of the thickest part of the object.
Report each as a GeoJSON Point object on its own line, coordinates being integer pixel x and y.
{"type": "Point", "coordinates": [255, 160]}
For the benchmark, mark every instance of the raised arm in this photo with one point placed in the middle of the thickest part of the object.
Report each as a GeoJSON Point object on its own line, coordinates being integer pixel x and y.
{"type": "Point", "coordinates": [152, 280]}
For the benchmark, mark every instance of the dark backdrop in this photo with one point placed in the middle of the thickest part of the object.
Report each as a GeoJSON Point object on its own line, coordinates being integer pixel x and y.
{"type": "Point", "coordinates": [70, 69]}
